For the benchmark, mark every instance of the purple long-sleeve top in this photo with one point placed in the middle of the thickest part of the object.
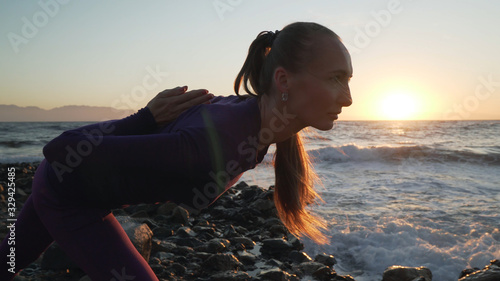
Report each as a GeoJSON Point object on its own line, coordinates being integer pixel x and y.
{"type": "Point", "coordinates": [190, 161]}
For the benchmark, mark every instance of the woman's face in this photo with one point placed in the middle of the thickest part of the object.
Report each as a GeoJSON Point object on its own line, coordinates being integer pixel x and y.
{"type": "Point", "coordinates": [318, 93]}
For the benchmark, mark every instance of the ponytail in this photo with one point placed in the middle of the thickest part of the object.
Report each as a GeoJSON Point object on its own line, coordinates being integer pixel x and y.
{"type": "Point", "coordinates": [294, 190]}
{"type": "Point", "coordinates": [251, 70]}
{"type": "Point", "coordinates": [290, 49]}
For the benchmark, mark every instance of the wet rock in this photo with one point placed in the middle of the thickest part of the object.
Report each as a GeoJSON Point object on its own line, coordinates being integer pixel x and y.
{"type": "Point", "coordinates": [176, 268]}
{"type": "Point", "coordinates": [275, 274]}
{"type": "Point", "coordinates": [221, 262]}
{"type": "Point", "coordinates": [139, 233]}
{"type": "Point", "coordinates": [490, 273]}
{"type": "Point", "coordinates": [247, 242]}
{"type": "Point", "coordinates": [298, 257]}
{"type": "Point", "coordinates": [401, 273]}
{"type": "Point", "coordinates": [276, 247]}
{"type": "Point", "coordinates": [163, 256]}
{"type": "Point", "coordinates": [468, 271]}
{"type": "Point", "coordinates": [231, 276]}
{"type": "Point", "coordinates": [163, 246]}
{"type": "Point", "coordinates": [183, 250]}
{"type": "Point", "coordinates": [230, 232]}
{"type": "Point", "coordinates": [162, 232]}
{"type": "Point", "coordinates": [246, 257]}
{"type": "Point", "coordinates": [296, 244]}
{"type": "Point", "coordinates": [343, 278]}
{"type": "Point", "coordinates": [324, 273]}
{"type": "Point", "coordinates": [186, 241]}
{"type": "Point", "coordinates": [185, 232]}
{"type": "Point", "coordinates": [204, 229]}
{"type": "Point", "coordinates": [308, 268]}
{"type": "Point", "coordinates": [325, 259]}
{"type": "Point", "coordinates": [218, 245]}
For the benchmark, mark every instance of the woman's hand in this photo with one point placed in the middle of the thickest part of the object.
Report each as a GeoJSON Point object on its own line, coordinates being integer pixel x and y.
{"type": "Point", "coordinates": [169, 104]}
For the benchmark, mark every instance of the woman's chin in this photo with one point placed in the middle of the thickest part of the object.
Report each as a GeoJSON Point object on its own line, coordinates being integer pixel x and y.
{"type": "Point", "coordinates": [324, 126]}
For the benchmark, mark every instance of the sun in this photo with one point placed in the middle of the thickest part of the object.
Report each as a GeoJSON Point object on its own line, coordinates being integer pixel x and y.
{"type": "Point", "coordinates": [399, 105]}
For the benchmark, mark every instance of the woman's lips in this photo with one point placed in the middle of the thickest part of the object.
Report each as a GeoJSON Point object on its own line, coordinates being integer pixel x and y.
{"type": "Point", "coordinates": [334, 116]}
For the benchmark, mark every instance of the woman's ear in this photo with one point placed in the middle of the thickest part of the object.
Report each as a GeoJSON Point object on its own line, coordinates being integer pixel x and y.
{"type": "Point", "coordinates": [281, 80]}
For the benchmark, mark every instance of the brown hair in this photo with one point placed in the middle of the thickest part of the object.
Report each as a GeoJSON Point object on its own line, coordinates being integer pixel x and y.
{"type": "Point", "coordinates": [290, 48]}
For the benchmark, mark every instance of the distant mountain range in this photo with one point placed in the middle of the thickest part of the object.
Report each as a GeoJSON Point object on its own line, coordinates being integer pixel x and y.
{"type": "Point", "coordinates": [70, 113]}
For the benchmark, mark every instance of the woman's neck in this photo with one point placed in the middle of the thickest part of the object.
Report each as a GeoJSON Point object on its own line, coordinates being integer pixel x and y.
{"type": "Point", "coordinates": [277, 122]}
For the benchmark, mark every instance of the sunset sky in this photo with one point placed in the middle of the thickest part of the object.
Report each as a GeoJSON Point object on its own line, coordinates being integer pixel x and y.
{"type": "Point", "coordinates": [415, 59]}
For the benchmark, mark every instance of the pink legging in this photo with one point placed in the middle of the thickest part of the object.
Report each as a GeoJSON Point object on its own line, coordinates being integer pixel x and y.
{"type": "Point", "coordinates": [91, 237]}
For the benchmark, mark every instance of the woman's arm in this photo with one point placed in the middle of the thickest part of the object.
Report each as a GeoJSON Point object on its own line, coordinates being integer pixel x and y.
{"type": "Point", "coordinates": [175, 152]}
{"type": "Point", "coordinates": [161, 110]}
{"type": "Point", "coordinates": [127, 142]}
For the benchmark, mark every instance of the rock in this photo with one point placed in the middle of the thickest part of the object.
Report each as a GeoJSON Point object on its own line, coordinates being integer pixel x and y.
{"type": "Point", "coordinates": [163, 256]}
{"type": "Point", "coordinates": [298, 257]}
{"type": "Point", "coordinates": [176, 268]}
{"type": "Point", "coordinates": [162, 232]}
{"type": "Point", "coordinates": [166, 209]}
{"type": "Point", "coordinates": [343, 278]}
{"type": "Point", "coordinates": [246, 257]}
{"type": "Point", "coordinates": [180, 215]}
{"type": "Point", "coordinates": [163, 246]}
{"type": "Point", "coordinates": [183, 250]}
{"type": "Point", "coordinates": [217, 245]}
{"type": "Point", "coordinates": [401, 273]}
{"type": "Point", "coordinates": [247, 242]}
{"type": "Point", "coordinates": [263, 205]}
{"type": "Point", "coordinates": [325, 259]}
{"type": "Point", "coordinates": [139, 233]}
{"type": "Point", "coordinates": [204, 229]}
{"type": "Point", "coordinates": [140, 214]}
{"type": "Point", "coordinates": [489, 273]}
{"type": "Point", "coordinates": [230, 232]}
{"type": "Point", "coordinates": [222, 262]}
{"type": "Point", "coordinates": [274, 274]}
{"type": "Point", "coordinates": [276, 247]}
{"type": "Point", "coordinates": [324, 273]}
{"type": "Point", "coordinates": [468, 271]}
{"type": "Point", "coordinates": [185, 232]}
{"type": "Point", "coordinates": [186, 241]}
{"type": "Point", "coordinates": [231, 276]}
{"type": "Point", "coordinates": [308, 268]}
{"type": "Point", "coordinates": [56, 259]}
{"type": "Point", "coordinates": [297, 245]}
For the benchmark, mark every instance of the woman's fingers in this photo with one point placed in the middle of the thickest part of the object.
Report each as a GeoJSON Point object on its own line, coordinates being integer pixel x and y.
{"type": "Point", "coordinates": [170, 103]}
{"type": "Point", "coordinates": [194, 98]}
{"type": "Point", "coordinates": [173, 92]}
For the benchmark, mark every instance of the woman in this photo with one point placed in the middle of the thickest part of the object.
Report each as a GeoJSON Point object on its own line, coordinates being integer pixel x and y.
{"type": "Point", "coordinates": [173, 151]}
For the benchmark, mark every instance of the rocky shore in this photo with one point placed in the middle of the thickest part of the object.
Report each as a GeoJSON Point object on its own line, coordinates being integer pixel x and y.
{"type": "Point", "coordinates": [237, 238]}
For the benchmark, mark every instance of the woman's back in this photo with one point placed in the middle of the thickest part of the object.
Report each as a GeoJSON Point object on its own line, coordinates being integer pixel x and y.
{"type": "Point", "coordinates": [190, 161]}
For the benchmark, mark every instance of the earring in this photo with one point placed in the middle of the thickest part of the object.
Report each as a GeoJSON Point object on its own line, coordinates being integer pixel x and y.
{"type": "Point", "coordinates": [284, 96]}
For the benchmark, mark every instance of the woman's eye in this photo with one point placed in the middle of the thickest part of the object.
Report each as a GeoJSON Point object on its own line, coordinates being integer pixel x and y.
{"type": "Point", "coordinates": [338, 79]}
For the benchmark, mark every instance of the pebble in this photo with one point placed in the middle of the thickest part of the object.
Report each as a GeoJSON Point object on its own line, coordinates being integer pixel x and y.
{"type": "Point", "coordinates": [402, 273]}
{"type": "Point", "coordinates": [222, 262]}
{"type": "Point", "coordinates": [239, 237]}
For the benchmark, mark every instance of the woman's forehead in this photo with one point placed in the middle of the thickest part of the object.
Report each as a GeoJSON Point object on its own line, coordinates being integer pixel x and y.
{"type": "Point", "coordinates": [330, 55]}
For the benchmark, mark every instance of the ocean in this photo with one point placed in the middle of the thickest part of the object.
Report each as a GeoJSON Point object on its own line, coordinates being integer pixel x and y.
{"type": "Point", "coordinates": [410, 193]}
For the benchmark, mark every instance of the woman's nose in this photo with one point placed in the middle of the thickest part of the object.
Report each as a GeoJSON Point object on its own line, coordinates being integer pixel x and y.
{"type": "Point", "coordinates": [345, 98]}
